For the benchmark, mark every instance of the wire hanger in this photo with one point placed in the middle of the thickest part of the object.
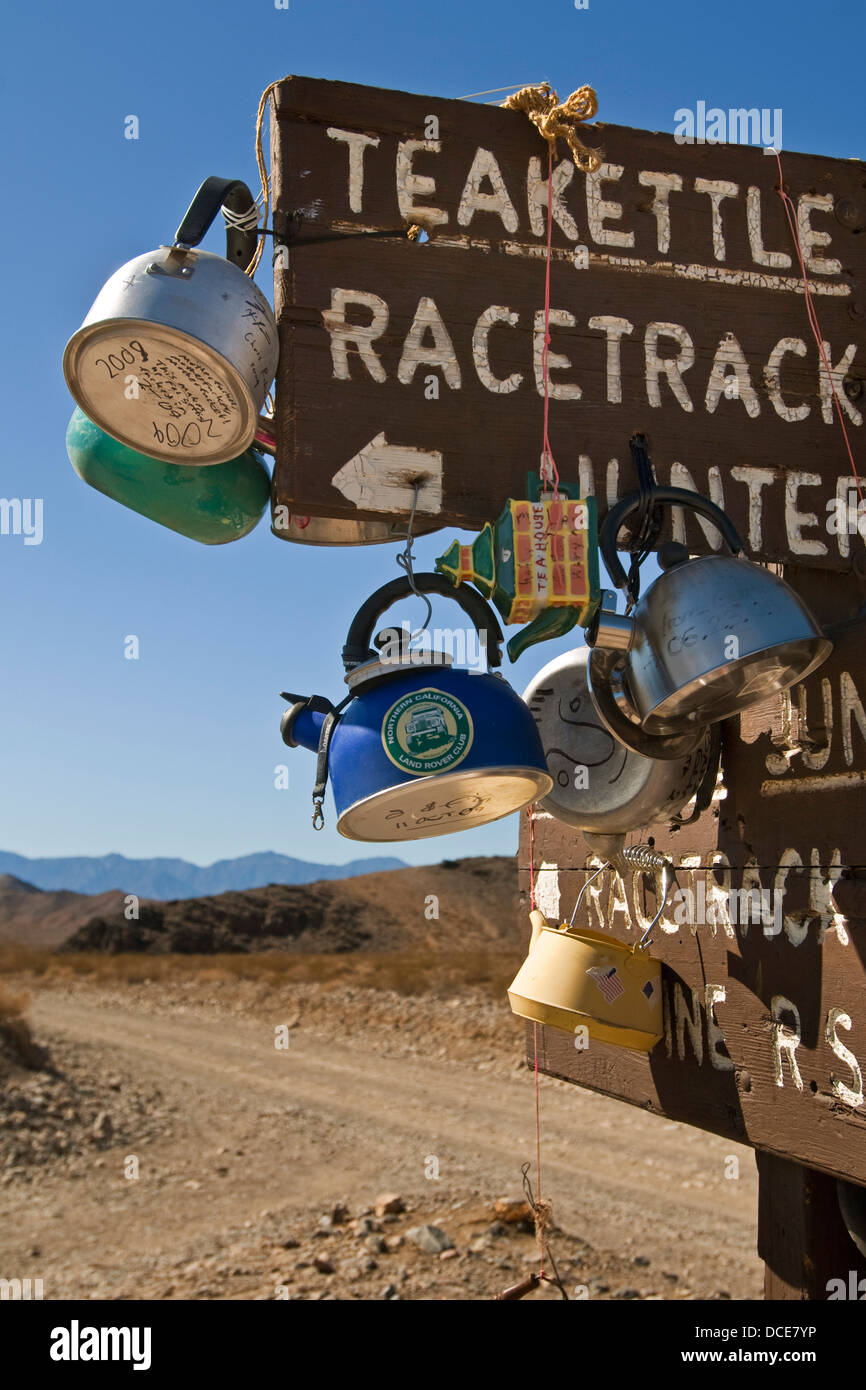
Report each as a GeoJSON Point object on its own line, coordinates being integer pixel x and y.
{"type": "Point", "coordinates": [405, 560]}
{"type": "Point", "coordinates": [640, 857]}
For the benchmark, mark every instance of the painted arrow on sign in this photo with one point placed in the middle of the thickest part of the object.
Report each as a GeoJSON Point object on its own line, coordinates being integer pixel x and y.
{"type": "Point", "coordinates": [382, 477]}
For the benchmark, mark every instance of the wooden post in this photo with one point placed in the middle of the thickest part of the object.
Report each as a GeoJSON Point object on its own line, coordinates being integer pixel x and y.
{"type": "Point", "coordinates": [802, 1238]}
{"type": "Point", "coordinates": [764, 1037]}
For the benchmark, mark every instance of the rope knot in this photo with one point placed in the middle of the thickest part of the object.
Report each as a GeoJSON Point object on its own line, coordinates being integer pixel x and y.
{"type": "Point", "coordinates": [554, 119]}
{"type": "Point", "coordinates": [543, 1214]}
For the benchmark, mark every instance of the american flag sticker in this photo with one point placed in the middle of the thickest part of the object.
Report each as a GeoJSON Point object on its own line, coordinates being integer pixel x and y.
{"type": "Point", "coordinates": [607, 980]}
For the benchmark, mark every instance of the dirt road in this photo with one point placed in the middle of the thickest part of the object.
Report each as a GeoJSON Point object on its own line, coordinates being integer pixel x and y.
{"type": "Point", "coordinates": [263, 1141]}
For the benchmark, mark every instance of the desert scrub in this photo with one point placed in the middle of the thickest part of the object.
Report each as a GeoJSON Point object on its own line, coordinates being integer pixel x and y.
{"type": "Point", "coordinates": [16, 1040]}
{"type": "Point", "coordinates": [404, 972]}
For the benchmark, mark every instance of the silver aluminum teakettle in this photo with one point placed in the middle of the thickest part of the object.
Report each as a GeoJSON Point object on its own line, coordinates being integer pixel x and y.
{"type": "Point", "coordinates": [178, 351]}
{"type": "Point", "coordinates": [599, 786]}
{"type": "Point", "coordinates": [712, 636]}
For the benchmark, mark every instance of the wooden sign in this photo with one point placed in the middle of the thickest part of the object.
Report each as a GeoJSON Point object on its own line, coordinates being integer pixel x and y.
{"type": "Point", "coordinates": [676, 308]}
{"type": "Point", "coordinates": [763, 939]}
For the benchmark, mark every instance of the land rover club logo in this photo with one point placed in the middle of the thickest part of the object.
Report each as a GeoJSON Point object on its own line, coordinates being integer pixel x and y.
{"type": "Point", "coordinates": [426, 732]}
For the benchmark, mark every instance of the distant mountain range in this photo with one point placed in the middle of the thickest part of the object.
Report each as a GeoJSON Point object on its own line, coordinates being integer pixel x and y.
{"type": "Point", "coordinates": [176, 878]}
{"type": "Point", "coordinates": [477, 907]}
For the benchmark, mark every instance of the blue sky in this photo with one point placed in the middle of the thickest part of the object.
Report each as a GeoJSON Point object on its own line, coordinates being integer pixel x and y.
{"type": "Point", "coordinates": [175, 753]}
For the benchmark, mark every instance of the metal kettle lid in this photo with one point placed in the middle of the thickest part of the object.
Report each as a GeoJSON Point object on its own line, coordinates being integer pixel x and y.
{"type": "Point", "coordinates": [372, 672]}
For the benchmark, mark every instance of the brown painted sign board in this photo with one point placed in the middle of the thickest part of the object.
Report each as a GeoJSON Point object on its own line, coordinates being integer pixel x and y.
{"type": "Point", "coordinates": [676, 309]}
{"type": "Point", "coordinates": [765, 1021]}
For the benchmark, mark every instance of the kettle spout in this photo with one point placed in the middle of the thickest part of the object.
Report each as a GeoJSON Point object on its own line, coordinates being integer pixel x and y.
{"type": "Point", "coordinates": [551, 622]}
{"type": "Point", "coordinates": [539, 922]}
{"type": "Point", "coordinates": [613, 631]}
{"type": "Point", "coordinates": [301, 724]}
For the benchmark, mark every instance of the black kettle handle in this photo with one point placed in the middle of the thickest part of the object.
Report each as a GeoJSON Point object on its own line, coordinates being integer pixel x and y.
{"type": "Point", "coordinates": [213, 194]}
{"type": "Point", "coordinates": [672, 497]}
{"type": "Point", "coordinates": [480, 614]}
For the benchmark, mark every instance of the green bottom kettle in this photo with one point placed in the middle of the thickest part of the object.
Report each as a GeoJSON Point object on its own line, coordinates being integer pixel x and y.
{"type": "Point", "coordinates": [213, 504]}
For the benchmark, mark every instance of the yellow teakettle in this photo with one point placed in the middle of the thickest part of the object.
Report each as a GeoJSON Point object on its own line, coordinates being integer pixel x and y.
{"type": "Point", "coordinates": [587, 978]}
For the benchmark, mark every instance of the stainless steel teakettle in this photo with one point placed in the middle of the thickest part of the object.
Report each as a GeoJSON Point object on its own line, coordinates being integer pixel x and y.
{"type": "Point", "coordinates": [711, 637]}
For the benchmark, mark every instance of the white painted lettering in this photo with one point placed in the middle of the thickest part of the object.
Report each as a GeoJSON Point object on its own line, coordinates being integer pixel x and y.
{"type": "Point", "coordinates": [614, 327]}
{"type": "Point", "coordinates": [671, 367]}
{"type": "Point", "coordinates": [439, 353]}
{"type": "Point", "coordinates": [773, 379]}
{"type": "Point", "coordinates": [808, 203]}
{"type": "Point", "coordinates": [780, 260]}
{"type": "Point", "coordinates": [358, 336]}
{"type": "Point", "coordinates": [785, 1039]}
{"type": "Point", "coordinates": [496, 313]}
{"type": "Point", "coordinates": [664, 185]}
{"type": "Point", "coordinates": [730, 358]}
{"type": "Point", "coordinates": [717, 190]}
{"type": "Point", "coordinates": [411, 185]}
{"type": "Point", "coordinates": [556, 361]}
{"type": "Point", "coordinates": [357, 144]}
{"type": "Point", "coordinates": [598, 210]}
{"type": "Point", "coordinates": [851, 1095]}
{"type": "Point", "coordinates": [472, 200]}
{"type": "Point", "coordinates": [538, 193]}
{"type": "Point", "coordinates": [795, 520]}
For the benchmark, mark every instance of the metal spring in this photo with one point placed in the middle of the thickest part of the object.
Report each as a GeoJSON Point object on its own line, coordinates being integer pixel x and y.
{"type": "Point", "coordinates": [644, 857]}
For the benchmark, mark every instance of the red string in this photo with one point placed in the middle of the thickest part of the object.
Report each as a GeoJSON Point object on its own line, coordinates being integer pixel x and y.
{"type": "Point", "coordinates": [531, 816]}
{"type": "Point", "coordinates": [790, 213]}
{"type": "Point", "coordinates": [531, 859]}
{"type": "Point", "coordinates": [538, 1143]}
{"type": "Point", "coordinates": [546, 451]}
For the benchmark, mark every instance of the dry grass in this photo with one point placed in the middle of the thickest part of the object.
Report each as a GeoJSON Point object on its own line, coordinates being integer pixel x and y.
{"type": "Point", "coordinates": [16, 1040]}
{"type": "Point", "coordinates": [13, 1004]}
{"type": "Point", "coordinates": [404, 972]}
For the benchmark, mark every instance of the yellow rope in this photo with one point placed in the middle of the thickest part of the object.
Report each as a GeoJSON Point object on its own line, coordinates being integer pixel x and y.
{"type": "Point", "coordinates": [542, 105]}
{"type": "Point", "coordinates": [263, 175]}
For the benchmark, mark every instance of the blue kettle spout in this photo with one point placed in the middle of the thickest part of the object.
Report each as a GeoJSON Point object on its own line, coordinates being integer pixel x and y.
{"type": "Point", "coordinates": [301, 725]}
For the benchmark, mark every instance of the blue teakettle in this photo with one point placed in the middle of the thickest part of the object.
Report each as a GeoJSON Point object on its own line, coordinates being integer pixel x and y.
{"type": "Point", "coordinates": [418, 748]}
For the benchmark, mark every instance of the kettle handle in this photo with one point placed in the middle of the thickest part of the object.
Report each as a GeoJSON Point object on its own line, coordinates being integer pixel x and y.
{"type": "Point", "coordinates": [672, 497]}
{"type": "Point", "coordinates": [360, 636]}
{"type": "Point", "coordinates": [664, 747]}
{"type": "Point", "coordinates": [213, 194]}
